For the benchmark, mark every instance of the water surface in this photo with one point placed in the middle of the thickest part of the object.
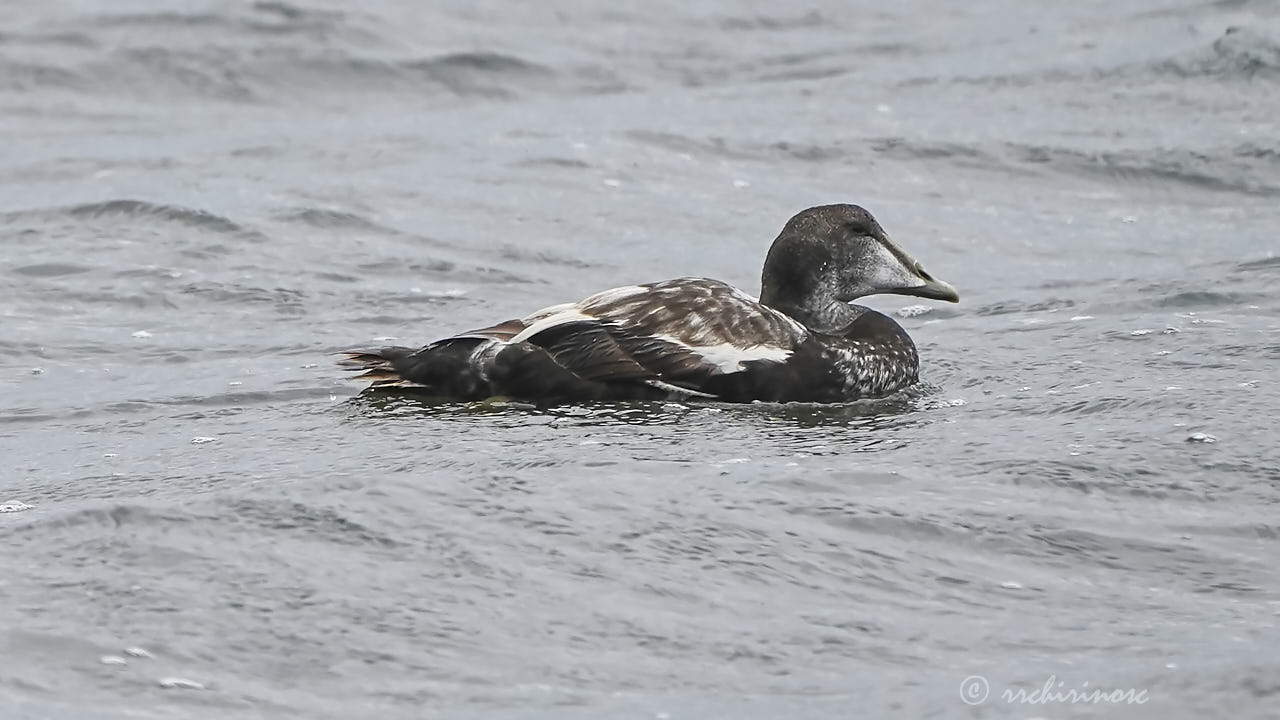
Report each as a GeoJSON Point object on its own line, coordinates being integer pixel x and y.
{"type": "Point", "coordinates": [198, 204]}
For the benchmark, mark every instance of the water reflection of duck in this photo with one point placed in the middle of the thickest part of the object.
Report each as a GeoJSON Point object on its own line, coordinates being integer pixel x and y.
{"type": "Point", "coordinates": [803, 340]}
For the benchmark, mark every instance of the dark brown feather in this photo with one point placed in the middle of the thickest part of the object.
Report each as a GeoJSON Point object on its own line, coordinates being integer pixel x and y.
{"type": "Point", "coordinates": [696, 312]}
{"type": "Point", "coordinates": [590, 351]}
{"type": "Point", "coordinates": [502, 332]}
{"type": "Point", "coordinates": [660, 332]}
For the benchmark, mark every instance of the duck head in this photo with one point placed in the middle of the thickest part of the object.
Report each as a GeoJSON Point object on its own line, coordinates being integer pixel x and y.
{"type": "Point", "coordinates": [831, 255]}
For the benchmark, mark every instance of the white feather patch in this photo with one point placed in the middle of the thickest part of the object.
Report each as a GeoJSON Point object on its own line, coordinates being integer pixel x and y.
{"type": "Point", "coordinates": [481, 359]}
{"type": "Point", "coordinates": [729, 358]}
{"type": "Point", "coordinates": [608, 297]}
{"type": "Point", "coordinates": [661, 385]}
{"type": "Point", "coordinates": [568, 314]}
{"type": "Point", "coordinates": [548, 312]}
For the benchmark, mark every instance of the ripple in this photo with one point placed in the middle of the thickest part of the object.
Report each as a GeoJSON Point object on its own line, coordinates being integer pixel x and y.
{"type": "Point", "coordinates": [134, 210]}
{"type": "Point", "coordinates": [1118, 478]}
{"type": "Point", "coordinates": [24, 415]}
{"type": "Point", "coordinates": [1264, 264]}
{"type": "Point", "coordinates": [20, 76]}
{"type": "Point", "coordinates": [481, 74]}
{"type": "Point", "coordinates": [1017, 306]}
{"type": "Point", "coordinates": [881, 523]}
{"type": "Point", "coordinates": [227, 400]}
{"type": "Point", "coordinates": [284, 300]}
{"type": "Point", "coordinates": [296, 517]}
{"type": "Point", "coordinates": [1239, 54]}
{"type": "Point", "coordinates": [961, 154]}
{"type": "Point", "coordinates": [539, 163]}
{"type": "Point", "coordinates": [722, 148]}
{"type": "Point", "coordinates": [1244, 168]}
{"type": "Point", "coordinates": [334, 219]}
{"type": "Point", "coordinates": [272, 51]}
{"type": "Point", "coordinates": [110, 517]}
{"type": "Point", "coordinates": [808, 19]}
{"type": "Point", "coordinates": [231, 400]}
{"type": "Point", "coordinates": [36, 37]}
{"type": "Point", "coordinates": [1231, 169]}
{"type": "Point", "coordinates": [542, 257]}
{"type": "Point", "coordinates": [51, 269]}
{"type": "Point", "coordinates": [1096, 405]}
{"type": "Point", "coordinates": [1206, 299]}
{"type": "Point", "coordinates": [675, 142]}
{"type": "Point", "coordinates": [191, 217]}
{"type": "Point", "coordinates": [264, 17]}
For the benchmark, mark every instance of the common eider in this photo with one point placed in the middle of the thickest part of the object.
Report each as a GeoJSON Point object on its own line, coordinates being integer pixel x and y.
{"type": "Point", "coordinates": [803, 340]}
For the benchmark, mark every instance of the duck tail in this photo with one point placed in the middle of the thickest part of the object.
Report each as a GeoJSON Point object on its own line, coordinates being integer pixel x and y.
{"type": "Point", "coordinates": [447, 368]}
{"type": "Point", "coordinates": [381, 368]}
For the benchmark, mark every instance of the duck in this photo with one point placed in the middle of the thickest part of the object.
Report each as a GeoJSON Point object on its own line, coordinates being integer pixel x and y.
{"type": "Point", "coordinates": [804, 339]}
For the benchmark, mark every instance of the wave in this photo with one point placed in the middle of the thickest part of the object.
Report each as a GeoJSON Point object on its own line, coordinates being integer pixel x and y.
{"type": "Point", "coordinates": [1245, 168]}
{"type": "Point", "coordinates": [722, 148]}
{"type": "Point", "coordinates": [191, 217]}
{"type": "Point", "coordinates": [277, 516]}
{"type": "Point", "coordinates": [470, 74]}
{"type": "Point", "coordinates": [51, 269]}
{"type": "Point", "coordinates": [537, 257]}
{"type": "Point", "coordinates": [1016, 306]}
{"type": "Point", "coordinates": [1261, 265]}
{"type": "Point", "coordinates": [1239, 54]}
{"type": "Point", "coordinates": [810, 19]}
{"type": "Point", "coordinates": [274, 19]}
{"type": "Point", "coordinates": [135, 209]}
{"type": "Point", "coordinates": [266, 75]}
{"type": "Point", "coordinates": [282, 300]}
{"type": "Point", "coordinates": [1195, 299]}
{"type": "Point", "coordinates": [1233, 169]}
{"type": "Point", "coordinates": [324, 218]}
{"type": "Point", "coordinates": [110, 518]}
{"type": "Point", "coordinates": [298, 518]}
{"type": "Point", "coordinates": [262, 53]}
{"type": "Point", "coordinates": [230, 399]}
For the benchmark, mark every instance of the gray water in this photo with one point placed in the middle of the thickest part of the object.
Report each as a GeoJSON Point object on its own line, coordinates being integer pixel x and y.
{"type": "Point", "coordinates": [198, 203]}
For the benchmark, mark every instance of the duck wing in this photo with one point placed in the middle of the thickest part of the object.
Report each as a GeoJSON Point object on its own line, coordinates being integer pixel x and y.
{"type": "Point", "coordinates": [675, 335]}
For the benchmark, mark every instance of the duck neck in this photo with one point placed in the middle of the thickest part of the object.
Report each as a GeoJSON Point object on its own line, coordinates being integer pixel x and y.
{"type": "Point", "coordinates": [807, 297]}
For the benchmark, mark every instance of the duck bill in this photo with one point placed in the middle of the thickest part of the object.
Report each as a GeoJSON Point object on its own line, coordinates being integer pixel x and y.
{"type": "Point", "coordinates": [932, 289]}
{"type": "Point", "coordinates": [925, 285]}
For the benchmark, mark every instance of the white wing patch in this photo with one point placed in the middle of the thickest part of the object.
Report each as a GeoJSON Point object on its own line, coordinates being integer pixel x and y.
{"type": "Point", "coordinates": [607, 297]}
{"type": "Point", "coordinates": [481, 359]}
{"type": "Point", "coordinates": [548, 312]}
{"type": "Point", "coordinates": [729, 358]}
{"type": "Point", "coordinates": [563, 313]}
{"type": "Point", "coordinates": [559, 315]}
{"type": "Point", "coordinates": [676, 389]}
{"type": "Point", "coordinates": [699, 316]}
